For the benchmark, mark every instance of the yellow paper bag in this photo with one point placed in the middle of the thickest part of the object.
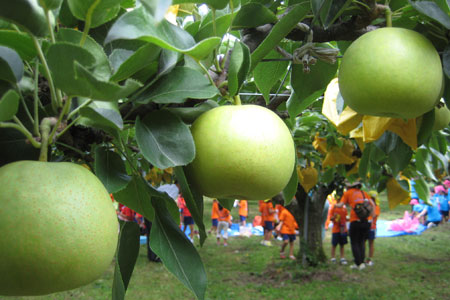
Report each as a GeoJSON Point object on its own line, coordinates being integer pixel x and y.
{"type": "Point", "coordinates": [309, 178]}
{"type": "Point", "coordinates": [396, 194]}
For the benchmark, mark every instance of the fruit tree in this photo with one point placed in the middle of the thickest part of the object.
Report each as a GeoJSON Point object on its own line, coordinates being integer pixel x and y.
{"type": "Point", "coordinates": [232, 98]}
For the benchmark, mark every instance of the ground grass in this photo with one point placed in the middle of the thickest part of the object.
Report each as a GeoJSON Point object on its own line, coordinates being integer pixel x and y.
{"type": "Point", "coordinates": [406, 267]}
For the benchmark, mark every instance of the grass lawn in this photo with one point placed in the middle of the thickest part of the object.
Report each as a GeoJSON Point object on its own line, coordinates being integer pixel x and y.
{"type": "Point", "coordinates": [406, 267]}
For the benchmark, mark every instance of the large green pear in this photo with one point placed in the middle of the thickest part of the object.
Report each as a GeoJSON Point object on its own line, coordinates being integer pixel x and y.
{"type": "Point", "coordinates": [242, 152]}
{"type": "Point", "coordinates": [441, 117]}
{"type": "Point", "coordinates": [391, 72]}
{"type": "Point", "coordinates": [58, 227]}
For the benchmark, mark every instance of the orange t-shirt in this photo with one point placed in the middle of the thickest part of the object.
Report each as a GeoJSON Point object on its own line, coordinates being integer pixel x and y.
{"type": "Point", "coordinates": [215, 210]}
{"type": "Point", "coordinates": [351, 197]}
{"type": "Point", "coordinates": [267, 215]}
{"type": "Point", "coordinates": [183, 207]}
{"type": "Point", "coordinates": [374, 221]}
{"type": "Point", "coordinates": [262, 206]}
{"type": "Point", "coordinates": [224, 215]}
{"type": "Point", "coordinates": [243, 208]}
{"type": "Point", "coordinates": [289, 223]}
{"type": "Point", "coordinates": [338, 217]}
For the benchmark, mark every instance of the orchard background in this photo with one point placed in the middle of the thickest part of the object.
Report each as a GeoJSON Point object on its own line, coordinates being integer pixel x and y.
{"type": "Point", "coordinates": [114, 85]}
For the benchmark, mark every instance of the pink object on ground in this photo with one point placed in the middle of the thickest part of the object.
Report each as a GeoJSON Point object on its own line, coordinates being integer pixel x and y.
{"type": "Point", "coordinates": [447, 183]}
{"type": "Point", "coordinates": [406, 224]}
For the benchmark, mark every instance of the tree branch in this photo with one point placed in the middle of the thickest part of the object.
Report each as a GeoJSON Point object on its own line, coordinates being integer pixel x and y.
{"type": "Point", "coordinates": [348, 30]}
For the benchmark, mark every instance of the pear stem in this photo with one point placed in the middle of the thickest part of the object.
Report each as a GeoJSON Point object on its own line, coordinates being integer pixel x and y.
{"type": "Point", "coordinates": [237, 100]}
{"type": "Point", "coordinates": [46, 127]}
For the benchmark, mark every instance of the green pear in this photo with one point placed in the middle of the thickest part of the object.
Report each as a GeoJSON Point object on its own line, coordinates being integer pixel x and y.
{"type": "Point", "coordinates": [58, 226]}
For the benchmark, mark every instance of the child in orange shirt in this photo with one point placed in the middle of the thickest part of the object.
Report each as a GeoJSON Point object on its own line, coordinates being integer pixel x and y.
{"type": "Point", "coordinates": [338, 215]}
{"type": "Point", "coordinates": [188, 220]}
{"type": "Point", "coordinates": [224, 223]}
{"type": "Point", "coordinates": [268, 215]}
{"type": "Point", "coordinates": [243, 212]}
{"type": "Point", "coordinates": [214, 216]}
{"type": "Point", "coordinates": [287, 228]}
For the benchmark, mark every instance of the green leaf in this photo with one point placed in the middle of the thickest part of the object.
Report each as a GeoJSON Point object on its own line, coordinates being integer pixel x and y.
{"type": "Point", "coordinates": [157, 8]}
{"type": "Point", "coordinates": [101, 67]}
{"type": "Point", "coordinates": [422, 189]}
{"type": "Point", "coordinates": [19, 42]}
{"type": "Point", "coordinates": [377, 153]}
{"type": "Point", "coordinates": [440, 157]}
{"type": "Point", "coordinates": [364, 161]}
{"type": "Point", "coordinates": [134, 62]}
{"type": "Point", "coordinates": [446, 61]}
{"type": "Point", "coordinates": [189, 114]}
{"type": "Point", "coordinates": [138, 24]}
{"type": "Point", "coordinates": [65, 15]}
{"type": "Point", "coordinates": [267, 74]}
{"type": "Point", "coordinates": [291, 188]}
{"type": "Point", "coordinates": [27, 14]}
{"type": "Point", "coordinates": [176, 251]}
{"type": "Point", "coordinates": [73, 67]}
{"type": "Point", "coordinates": [423, 163]}
{"type": "Point", "coordinates": [9, 105]}
{"type": "Point", "coordinates": [165, 141]}
{"type": "Point", "coordinates": [217, 4]}
{"type": "Point", "coordinates": [335, 10]}
{"type": "Point", "coordinates": [177, 86]}
{"type": "Point", "coordinates": [102, 11]}
{"type": "Point", "coordinates": [110, 169]}
{"type": "Point", "coordinates": [279, 31]}
{"type": "Point", "coordinates": [61, 57]}
{"type": "Point", "coordinates": [399, 157]}
{"type": "Point", "coordinates": [194, 202]}
{"type": "Point", "coordinates": [239, 67]}
{"type": "Point", "coordinates": [11, 65]}
{"type": "Point", "coordinates": [102, 90]}
{"type": "Point", "coordinates": [387, 142]}
{"type": "Point", "coordinates": [126, 257]}
{"type": "Point", "coordinates": [432, 10]}
{"type": "Point", "coordinates": [102, 115]}
{"type": "Point", "coordinates": [296, 106]}
{"type": "Point", "coordinates": [137, 196]}
{"type": "Point", "coordinates": [221, 25]}
{"type": "Point", "coordinates": [426, 128]}
{"type": "Point", "coordinates": [252, 15]}
{"type": "Point", "coordinates": [316, 6]}
{"type": "Point", "coordinates": [50, 4]}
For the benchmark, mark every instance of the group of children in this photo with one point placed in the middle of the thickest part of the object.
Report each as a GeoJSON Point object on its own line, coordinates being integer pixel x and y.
{"type": "Point", "coordinates": [437, 211]}
{"type": "Point", "coordinates": [270, 215]}
{"type": "Point", "coordinates": [338, 216]}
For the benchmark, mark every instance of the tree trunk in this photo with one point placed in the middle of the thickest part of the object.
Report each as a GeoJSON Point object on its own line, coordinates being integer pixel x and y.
{"type": "Point", "coordinates": [310, 209]}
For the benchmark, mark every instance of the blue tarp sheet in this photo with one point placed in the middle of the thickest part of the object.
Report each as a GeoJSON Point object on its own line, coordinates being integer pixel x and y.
{"type": "Point", "coordinates": [383, 230]}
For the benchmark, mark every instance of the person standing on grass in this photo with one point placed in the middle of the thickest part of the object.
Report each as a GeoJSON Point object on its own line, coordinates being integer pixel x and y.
{"type": "Point", "coordinates": [243, 212]}
{"type": "Point", "coordinates": [214, 216]}
{"type": "Point", "coordinates": [268, 215]}
{"type": "Point", "coordinates": [224, 223]}
{"type": "Point", "coordinates": [187, 218]}
{"type": "Point", "coordinates": [287, 228]}
{"type": "Point", "coordinates": [359, 228]}
{"type": "Point", "coordinates": [373, 228]}
{"type": "Point", "coordinates": [338, 216]}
